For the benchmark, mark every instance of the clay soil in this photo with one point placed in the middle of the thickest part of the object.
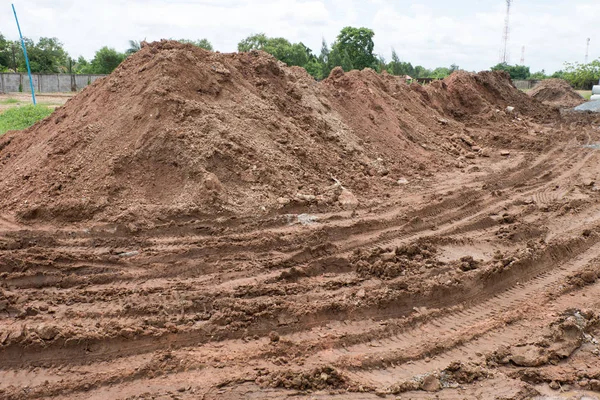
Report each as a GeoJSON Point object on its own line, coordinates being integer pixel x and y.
{"type": "Point", "coordinates": [219, 226]}
{"type": "Point", "coordinates": [556, 92]}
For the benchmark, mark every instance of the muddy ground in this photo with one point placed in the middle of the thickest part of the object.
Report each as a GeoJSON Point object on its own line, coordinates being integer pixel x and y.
{"type": "Point", "coordinates": [474, 285]}
{"type": "Point", "coordinates": [475, 279]}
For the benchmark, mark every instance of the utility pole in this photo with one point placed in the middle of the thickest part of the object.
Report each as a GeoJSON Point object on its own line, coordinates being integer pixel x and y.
{"type": "Point", "coordinates": [587, 50]}
{"type": "Point", "coordinates": [504, 56]}
{"type": "Point", "coordinates": [523, 55]}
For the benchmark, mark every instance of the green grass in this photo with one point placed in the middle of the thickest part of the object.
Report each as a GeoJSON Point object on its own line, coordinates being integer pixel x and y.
{"type": "Point", "coordinates": [586, 94]}
{"type": "Point", "coordinates": [22, 117]}
{"type": "Point", "coordinates": [9, 101]}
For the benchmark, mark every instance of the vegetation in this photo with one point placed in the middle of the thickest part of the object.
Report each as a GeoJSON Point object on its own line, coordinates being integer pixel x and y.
{"type": "Point", "coordinates": [515, 71]}
{"type": "Point", "coordinates": [22, 117]}
{"type": "Point", "coordinates": [49, 56]}
{"type": "Point", "coordinates": [352, 49]}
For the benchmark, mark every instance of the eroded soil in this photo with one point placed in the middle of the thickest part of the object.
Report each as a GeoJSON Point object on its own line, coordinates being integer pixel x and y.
{"type": "Point", "coordinates": [475, 285]}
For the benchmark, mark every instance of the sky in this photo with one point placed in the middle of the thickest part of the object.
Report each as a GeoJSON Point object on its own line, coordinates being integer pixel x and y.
{"type": "Point", "coordinates": [431, 33]}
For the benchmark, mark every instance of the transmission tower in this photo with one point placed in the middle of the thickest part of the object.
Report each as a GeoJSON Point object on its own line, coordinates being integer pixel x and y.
{"type": "Point", "coordinates": [504, 56]}
{"type": "Point", "coordinates": [587, 50]}
{"type": "Point", "coordinates": [523, 55]}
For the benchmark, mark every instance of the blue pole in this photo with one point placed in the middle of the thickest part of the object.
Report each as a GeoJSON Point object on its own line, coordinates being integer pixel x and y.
{"type": "Point", "coordinates": [25, 52]}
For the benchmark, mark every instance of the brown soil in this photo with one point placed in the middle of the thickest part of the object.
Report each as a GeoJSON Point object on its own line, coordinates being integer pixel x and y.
{"type": "Point", "coordinates": [220, 226]}
{"type": "Point", "coordinates": [556, 92]}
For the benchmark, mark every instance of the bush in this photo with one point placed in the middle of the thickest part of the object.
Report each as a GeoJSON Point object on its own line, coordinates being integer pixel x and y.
{"type": "Point", "coordinates": [22, 117]}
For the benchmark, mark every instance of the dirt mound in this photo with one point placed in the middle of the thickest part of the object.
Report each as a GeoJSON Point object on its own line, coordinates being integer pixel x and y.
{"type": "Point", "coordinates": [466, 95]}
{"type": "Point", "coordinates": [556, 92]}
{"type": "Point", "coordinates": [180, 132]}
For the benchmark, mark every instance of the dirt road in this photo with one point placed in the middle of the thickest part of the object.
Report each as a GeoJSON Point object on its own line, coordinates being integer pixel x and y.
{"type": "Point", "coordinates": [343, 306]}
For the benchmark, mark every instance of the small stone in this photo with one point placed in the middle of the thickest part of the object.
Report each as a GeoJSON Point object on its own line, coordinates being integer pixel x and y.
{"type": "Point", "coordinates": [361, 293]}
{"type": "Point", "coordinates": [505, 153]}
{"type": "Point", "coordinates": [47, 332]}
{"type": "Point", "coordinates": [595, 385]}
{"type": "Point", "coordinates": [554, 385]}
{"type": "Point", "coordinates": [283, 201]}
{"type": "Point", "coordinates": [347, 199]}
{"type": "Point", "coordinates": [402, 181]}
{"type": "Point", "coordinates": [476, 149]}
{"type": "Point", "coordinates": [274, 336]}
{"type": "Point", "coordinates": [181, 389]}
{"type": "Point", "coordinates": [306, 197]}
{"type": "Point", "coordinates": [510, 109]}
{"type": "Point", "coordinates": [431, 384]}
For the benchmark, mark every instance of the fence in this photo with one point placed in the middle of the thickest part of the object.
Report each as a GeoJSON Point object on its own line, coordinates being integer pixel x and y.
{"type": "Point", "coordinates": [45, 83]}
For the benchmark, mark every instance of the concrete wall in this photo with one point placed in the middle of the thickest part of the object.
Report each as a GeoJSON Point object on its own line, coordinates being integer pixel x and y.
{"type": "Point", "coordinates": [45, 83]}
{"type": "Point", "coordinates": [525, 84]}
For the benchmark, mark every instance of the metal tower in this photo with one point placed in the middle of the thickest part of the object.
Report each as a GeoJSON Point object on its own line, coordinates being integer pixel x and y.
{"type": "Point", "coordinates": [587, 51]}
{"type": "Point", "coordinates": [523, 55]}
{"type": "Point", "coordinates": [504, 56]}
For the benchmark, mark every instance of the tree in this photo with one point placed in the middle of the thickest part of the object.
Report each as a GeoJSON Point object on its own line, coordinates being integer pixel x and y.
{"type": "Point", "coordinates": [515, 71]}
{"type": "Point", "coordinates": [582, 76]}
{"type": "Point", "coordinates": [253, 42]}
{"type": "Point", "coordinates": [134, 47]}
{"type": "Point", "coordinates": [421, 72]}
{"type": "Point", "coordinates": [440, 73]}
{"type": "Point", "coordinates": [357, 44]}
{"type": "Point", "coordinates": [45, 56]}
{"type": "Point", "coordinates": [202, 43]}
{"type": "Point", "coordinates": [82, 66]}
{"type": "Point", "coordinates": [538, 75]}
{"type": "Point", "coordinates": [106, 60]}
{"type": "Point", "coordinates": [399, 68]}
{"type": "Point", "coordinates": [293, 54]}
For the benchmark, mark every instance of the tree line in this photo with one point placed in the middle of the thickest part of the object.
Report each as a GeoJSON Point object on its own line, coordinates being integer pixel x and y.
{"type": "Point", "coordinates": [353, 48]}
{"type": "Point", "coordinates": [580, 76]}
{"type": "Point", "coordinates": [48, 56]}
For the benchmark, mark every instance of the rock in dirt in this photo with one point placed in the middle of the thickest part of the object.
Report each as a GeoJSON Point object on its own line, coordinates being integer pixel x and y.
{"type": "Point", "coordinates": [431, 383]}
{"type": "Point", "coordinates": [347, 199]}
{"type": "Point", "coordinates": [528, 356]}
{"type": "Point", "coordinates": [47, 332]}
{"type": "Point", "coordinates": [505, 153]}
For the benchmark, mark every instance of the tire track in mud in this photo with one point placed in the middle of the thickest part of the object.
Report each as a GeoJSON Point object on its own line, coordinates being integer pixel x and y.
{"type": "Point", "coordinates": [102, 349]}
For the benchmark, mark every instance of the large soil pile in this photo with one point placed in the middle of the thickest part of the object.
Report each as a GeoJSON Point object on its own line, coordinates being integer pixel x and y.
{"type": "Point", "coordinates": [556, 92]}
{"type": "Point", "coordinates": [179, 131]}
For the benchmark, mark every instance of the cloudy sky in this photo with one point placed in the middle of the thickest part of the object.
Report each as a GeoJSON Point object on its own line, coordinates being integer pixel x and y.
{"type": "Point", "coordinates": [428, 32]}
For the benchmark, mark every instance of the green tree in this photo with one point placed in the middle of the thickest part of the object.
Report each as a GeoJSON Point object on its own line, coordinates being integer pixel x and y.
{"type": "Point", "coordinates": [357, 44]}
{"type": "Point", "coordinates": [253, 42]}
{"type": "Point", "coordinates": [422, 72]}
{"type": "Point", "coordinates": [582, 76]}
{"type": "Point", "coordinates": [539, 75]}
{"type": "Point", "coordinates": [400, 68]}
{"type": "Point", "coordinates": [134, 47]}
{"type": "Point", "coordinates": [440, 73]}
{"type": "Point", "coordinates": [515, 71]}
{"type": "Point", "coordinates": [106, 60]}
{"type": "Point", "coordinates": [82, 66]}
{"type": "Point", "coordinates": [45, 56]}
{"type": "Point", "coordinates": [5, 53]}
{"type": "Point", "coordinates": [293, 54]}
{"type": "Point", "coordinates": [202, 43]}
